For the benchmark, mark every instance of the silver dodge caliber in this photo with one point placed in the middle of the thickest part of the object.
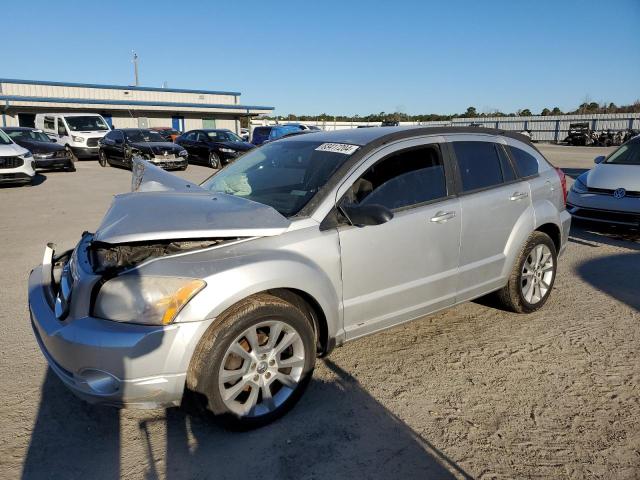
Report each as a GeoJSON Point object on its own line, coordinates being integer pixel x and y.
{"type": "Point", "coordinates": [225, 293]}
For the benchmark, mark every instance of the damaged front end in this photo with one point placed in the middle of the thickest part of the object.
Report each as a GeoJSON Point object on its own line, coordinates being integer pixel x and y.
{"type": "Point", "coordinates": [111, 259]}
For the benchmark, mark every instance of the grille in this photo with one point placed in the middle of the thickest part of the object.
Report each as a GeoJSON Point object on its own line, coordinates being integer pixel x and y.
{"type": "Point", "coordinates": [11, 162]}
{"type": "Point", "coordinates": [92, 142]}
{"type": "Point", "coordinates": [606, 215]}
{"type": "Point", "coordinates": [607, 191]}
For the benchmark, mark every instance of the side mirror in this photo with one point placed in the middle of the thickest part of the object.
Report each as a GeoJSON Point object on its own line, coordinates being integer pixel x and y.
{"type": "Point", "coordinates": [362, 215]}
{"type": "Point", "coordinates": [599, 159]}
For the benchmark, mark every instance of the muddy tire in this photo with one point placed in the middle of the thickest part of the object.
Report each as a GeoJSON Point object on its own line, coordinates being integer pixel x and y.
{"type": "Point", "coordinates": [533, 275]}
{"type": "Point", "coordinates": [253, 364]}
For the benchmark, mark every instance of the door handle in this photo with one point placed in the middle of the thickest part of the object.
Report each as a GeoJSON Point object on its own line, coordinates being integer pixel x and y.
{"type": "Point", "coordinates": [441, 217]}
{"type": "Point", "coordinates": [519, 196]}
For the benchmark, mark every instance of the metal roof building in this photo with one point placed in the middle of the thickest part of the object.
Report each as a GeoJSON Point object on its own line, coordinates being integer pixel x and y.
{"type": "Point", "coordinates": [124, 106]}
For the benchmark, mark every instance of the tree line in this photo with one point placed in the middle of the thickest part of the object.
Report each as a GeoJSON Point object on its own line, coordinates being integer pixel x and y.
{"type": "Point", "coordinates": [471, 112]}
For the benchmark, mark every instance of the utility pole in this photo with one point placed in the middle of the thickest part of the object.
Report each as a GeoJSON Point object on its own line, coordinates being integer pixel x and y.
{"type": "Point", "coordinates": [135, 66]}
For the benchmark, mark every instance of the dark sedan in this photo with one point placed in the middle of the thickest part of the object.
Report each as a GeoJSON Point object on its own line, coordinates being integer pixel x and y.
{"type": "Point", "coordinates": [214, 148]}
{"type": "Point", "coordinates": [121, 146]}
{"type": "Point", "coordinates": [47, 154]}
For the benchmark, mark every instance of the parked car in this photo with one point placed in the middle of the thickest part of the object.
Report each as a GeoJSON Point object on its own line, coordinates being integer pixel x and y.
{"type": "Point", "coordinates": [214, 148]}
{"type": "Point", "coordinates": [122, 145]}
{"type": "Point", "coordinates": [46, 152]}
{"type": "Point", "coordinates": [303, 244]}
{"type": "Point", "coordinates": [168, 133]}
{"type": "Point", "coordinates": [272, 132]}
{"type": "Point", "coordinates": [79, 133]}
{"type": "Point", "coordinates": [302, 126]}
{"type": "Point", "coordinates": [16, 162]}
{"type": "Point", "coordinates": [610, 192]}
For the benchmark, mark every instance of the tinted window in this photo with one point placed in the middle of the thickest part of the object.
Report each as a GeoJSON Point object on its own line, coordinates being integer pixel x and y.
{"type": "Point", "coordinates": [62, 130]}
{"type": "Point", "coordinates": [526, 163]}
{"type": "Point", "coordinates": [507, 169]}
{"type": "Point", "coordinates": [480, 165]}
{"type": "Point", "coordinates": [144, 136]}
{"type": "Point", "coordinates": [404, 179]}
{"type": "Point", "coordinates": [89, 123]}
{"type": "Point", "coordinates": [260, 134]}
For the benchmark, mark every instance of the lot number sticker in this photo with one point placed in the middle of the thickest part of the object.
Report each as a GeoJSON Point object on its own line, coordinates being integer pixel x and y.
{"type": "Point", "coordinates": [338, 148]}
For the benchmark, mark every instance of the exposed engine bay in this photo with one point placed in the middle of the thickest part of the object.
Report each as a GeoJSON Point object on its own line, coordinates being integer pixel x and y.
{"type": "Point", "coordinates": [105, 257]}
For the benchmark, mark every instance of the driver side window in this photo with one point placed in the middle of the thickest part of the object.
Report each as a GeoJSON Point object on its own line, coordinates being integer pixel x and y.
{"type": "Point", "coordinates": [404, 179]}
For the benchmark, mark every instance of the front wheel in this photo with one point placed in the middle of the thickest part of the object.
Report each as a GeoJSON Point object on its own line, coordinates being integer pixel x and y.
{"type": "Point", "coordinates": [254, 363]}
{"type": "Point", "coordinates": [214, 160]}
{"type": "Point", "coordinates": [102, 158]}
{"type": "Point", "coordinates": [532, 276]}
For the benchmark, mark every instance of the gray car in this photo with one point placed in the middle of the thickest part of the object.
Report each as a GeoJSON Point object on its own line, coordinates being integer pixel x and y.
{"type": "Point", "coordinates": [225, 293]}
{"type": "Point", "coordinates": [610, 192]}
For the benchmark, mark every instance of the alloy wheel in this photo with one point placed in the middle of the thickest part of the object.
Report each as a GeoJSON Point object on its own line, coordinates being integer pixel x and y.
{"type": "Point", "coordinates": [537, 274]}
{"type": "Point", "coordinates": [261, 368]}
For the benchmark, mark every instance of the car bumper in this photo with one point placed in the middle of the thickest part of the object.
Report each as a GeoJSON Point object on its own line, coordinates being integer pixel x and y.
{"type": "Point", "coordinates": [170, 164]}
{"type": "Point", "coordinates": [565, 223]}
{"type": "Point", "coordinates": [85, 152]}
{"type": "Point", "coordinates": [112, 363]}
{"type": "Point", "coordinates": [52, 163]}
{"type": "Point", "coordinates": [15, 177]}
{"type": "Point", "coordinates": [604, 208]}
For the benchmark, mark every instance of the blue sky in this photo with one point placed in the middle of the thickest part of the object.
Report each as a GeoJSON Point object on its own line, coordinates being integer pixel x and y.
{"type": "Point", "coordinates": [341, 57]}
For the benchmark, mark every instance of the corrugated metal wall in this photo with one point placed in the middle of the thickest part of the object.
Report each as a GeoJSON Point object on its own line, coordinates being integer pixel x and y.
{"type": "Point", "coordinates": [545, 129]}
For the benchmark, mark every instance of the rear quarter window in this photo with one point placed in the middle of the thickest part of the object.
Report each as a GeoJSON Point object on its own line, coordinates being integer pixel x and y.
{"type": "Point", "coordinates": [526, 163]}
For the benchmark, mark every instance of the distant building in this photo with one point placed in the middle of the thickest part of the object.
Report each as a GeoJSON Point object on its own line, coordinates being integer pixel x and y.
{"type": "Point", "coordinates": [124, 107]}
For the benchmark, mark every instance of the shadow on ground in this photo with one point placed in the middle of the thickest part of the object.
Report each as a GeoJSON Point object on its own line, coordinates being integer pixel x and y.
{"type": "Point", "coordinates": [617, 275]}
{"type": "Point", "coordinates": [337, 431]}
{"type": "Point", "coordinates": [38, 179]}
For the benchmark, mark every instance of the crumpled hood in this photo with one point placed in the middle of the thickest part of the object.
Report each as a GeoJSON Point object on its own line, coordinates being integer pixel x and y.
{"type": "Point", "coordinates": [157, 148]}
{"type": "Point", "coordinates": [612, 176]}
{"type": "Point", "coordinates": [162, 206]}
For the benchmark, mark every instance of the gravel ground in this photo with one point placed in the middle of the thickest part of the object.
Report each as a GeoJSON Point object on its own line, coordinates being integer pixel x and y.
{"type": "Point", "coordinates": [470, 392]}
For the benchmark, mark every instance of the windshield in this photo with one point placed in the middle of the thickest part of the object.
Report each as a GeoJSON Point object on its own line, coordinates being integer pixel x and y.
{"type": "Point", "coordinates": [4, 139]}
{"type": "Point", "coordinates": [628, 154]}
{"type": "Point", "coordinates": [143, 136]}
{"type": "Point", "coordinates": [33, 135]}
{"type": "Point", "coordinates": [283, 175]}
{"type": "Point", "coordinates": [90, 123]}
{"type": "Point", "coordinates": [223, 137]}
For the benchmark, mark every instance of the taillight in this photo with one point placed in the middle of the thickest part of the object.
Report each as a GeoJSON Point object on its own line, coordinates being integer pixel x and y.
{"type": "Point", "coordinates": [563, 182]}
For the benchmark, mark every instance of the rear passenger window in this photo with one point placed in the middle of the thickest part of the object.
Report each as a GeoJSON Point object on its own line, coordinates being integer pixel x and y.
{"type": "Point", "coordinates": [402, 180]}
{"type": "Point", "coordinates": [526, 163]}
{"type": "Point", "coordinates": [482, 165]}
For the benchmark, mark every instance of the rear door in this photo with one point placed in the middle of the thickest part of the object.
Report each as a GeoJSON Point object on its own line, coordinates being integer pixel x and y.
{"type": "Point", "coordinates": [406, 267]}
{"type": "Point", "coordinates": [495, 206]}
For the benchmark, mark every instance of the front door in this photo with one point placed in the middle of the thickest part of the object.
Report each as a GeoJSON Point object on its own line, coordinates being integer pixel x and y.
{"type": "Point", "coordinates": [407, 267]}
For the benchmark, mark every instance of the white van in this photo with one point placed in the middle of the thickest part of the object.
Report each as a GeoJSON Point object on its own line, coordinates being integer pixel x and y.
{"type": "Point", "coordinates": [79, 132]}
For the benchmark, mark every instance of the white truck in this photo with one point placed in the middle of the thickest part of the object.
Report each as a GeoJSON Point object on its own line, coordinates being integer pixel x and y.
{"type": "Point", "coordinates": [78, 132]}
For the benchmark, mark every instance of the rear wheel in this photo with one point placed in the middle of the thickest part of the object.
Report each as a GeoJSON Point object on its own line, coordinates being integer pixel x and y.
{"type": "Point", "coordinates": [253, 365]}
{"type": "Point", "coordinates": [532, 277]}
{"type": "Point", "coordinates": [71, 155]}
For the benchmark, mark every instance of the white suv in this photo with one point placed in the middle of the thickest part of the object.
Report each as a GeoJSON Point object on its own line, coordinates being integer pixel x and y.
{"type": "Point", "coordinates": [16, 163]}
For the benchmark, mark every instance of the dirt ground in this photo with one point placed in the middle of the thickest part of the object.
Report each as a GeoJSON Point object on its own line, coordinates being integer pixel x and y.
{"type": "Point", "coordinates": [473, 392]}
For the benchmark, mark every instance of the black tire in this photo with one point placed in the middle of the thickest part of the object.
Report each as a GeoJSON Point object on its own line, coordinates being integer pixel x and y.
{"type": "Point", "coordinates": [102, 158]}
{"type": "Point", "coordinates": [511, 295]}
{"type": "Point", "coordinates": [202, 378]}
{"type": "Point", "coordinates": [72, 155]}
{"type": "Point", "coordinates": [214, 160]}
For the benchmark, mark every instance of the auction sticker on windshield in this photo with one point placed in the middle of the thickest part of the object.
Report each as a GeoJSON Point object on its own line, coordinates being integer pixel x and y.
{"type": "Point", "coordinates": [338, 148]}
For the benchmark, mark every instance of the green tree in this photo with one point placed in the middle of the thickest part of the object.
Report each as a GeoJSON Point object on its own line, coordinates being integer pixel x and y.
{"type": "Point", "coordinates": [471, 112]}
{"type": "Point", "coordinates": [556, 111]}
{"type": "Point", "coordinates": [545, 112]}
{"type": "Point", "coordinates": [524, 113]}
